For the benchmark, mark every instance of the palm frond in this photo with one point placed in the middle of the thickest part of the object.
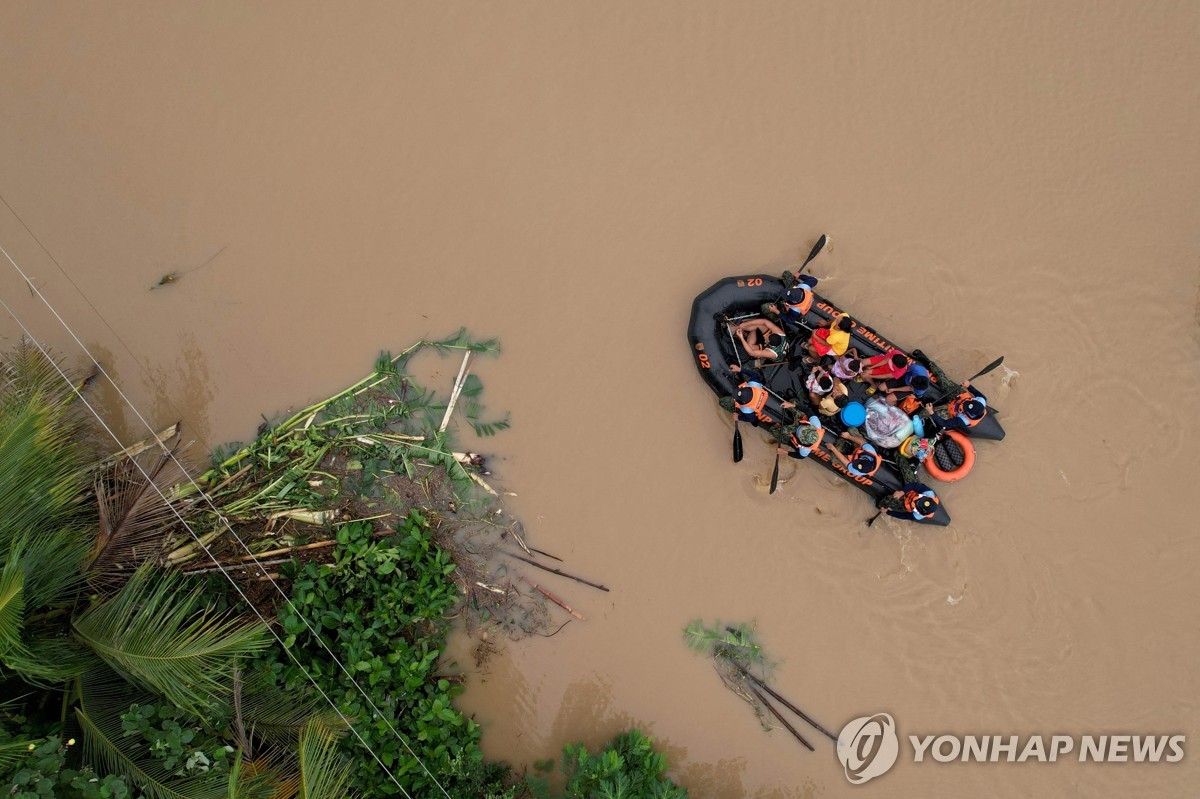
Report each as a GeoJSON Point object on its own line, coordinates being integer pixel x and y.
{"type": "Point", "coordinates": [44, 660]}
{"type": "Point", "coordinates": [106, 748]}
{"type": "Point", "coordinates": [134, 517]}
{"type": "Point", "coordinates": [324, 770]}
{"type": "Point", "coordinates": [11, 752]}
{"type": "Point", "coordinates": [157, 633]}
{"type": "Point", "coordinates": [26, 373]}
{"type": "Point", "coordinates": [41, 478]}
{"type": "Point", "coordinates": [53, 562]}
{"type": "Point", "coordinates": [278, 715]}
{"type": "Point", "coordinates": [48, 661]}
{"type": "Point", "coordinates": [12, 600]}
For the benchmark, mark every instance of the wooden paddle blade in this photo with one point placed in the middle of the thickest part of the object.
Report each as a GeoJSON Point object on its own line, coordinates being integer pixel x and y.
{"type": "Point", "coordinates": [775, 475]}
{"type": "Point", "coordinates": [988, 368]}
{"type": "Point", "coordinates": [737, 443]}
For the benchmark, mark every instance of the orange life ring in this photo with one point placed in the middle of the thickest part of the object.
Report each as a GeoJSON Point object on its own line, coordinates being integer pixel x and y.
{"type": "Point", "coordinates": [956, 473]}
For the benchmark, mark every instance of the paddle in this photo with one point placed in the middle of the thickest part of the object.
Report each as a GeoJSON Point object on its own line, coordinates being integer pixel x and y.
{"type": "Point", "coordinates": [775, 474]}
{"type": "Point", "coordinates": [871, 521]}
{"type": "Point", "coordinates": [991, 366]}
{"type": "Point", "coordinates": [737, 433]}
{"type": "Point", "coordinates": [820, 245]}
{"type": "Point", "coordinates": [821, 242]}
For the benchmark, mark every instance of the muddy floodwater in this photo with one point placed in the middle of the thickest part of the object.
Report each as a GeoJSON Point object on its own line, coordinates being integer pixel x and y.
{"type": "Point", "coordinates": [1017, 179]}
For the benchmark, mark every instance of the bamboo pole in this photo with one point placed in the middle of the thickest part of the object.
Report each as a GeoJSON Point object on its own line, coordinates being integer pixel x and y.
{"type": "Point", "coordinates": [554, 571]}
{"type": "Point", "coordinates": [556, 600]}
{"type": "Point", "coordinates": [284, 550]}
{"type": "Point", "coordinates": [132, 450]}
{"type": "Point", "coordinates": [786, 703]}
{"type": "Point", "coordinates": [780, 718]}
{"type": "Point", "coordinates": [458, 384]}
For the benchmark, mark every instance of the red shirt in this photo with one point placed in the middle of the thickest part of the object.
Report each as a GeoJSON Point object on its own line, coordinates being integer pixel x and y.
{"type": "Point", "coordinates": [880, 366]}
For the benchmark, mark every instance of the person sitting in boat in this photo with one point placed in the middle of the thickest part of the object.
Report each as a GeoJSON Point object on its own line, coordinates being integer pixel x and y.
{"type": "Point", "coordinates": [847, 367]}
{"type": "Point", "coordinates": [804, 438]}
{"type": "Point", "coordinates": [962, 412]}
{"type": "Point", "coordinates": [833, 338]}
{"type": "Point", "coordinates": [833, 402]}
{"type": "Point", "coordinates": [795, 302]}
{"type": "Point", "coordinates": [907, 391]}
{"type": "Point", "coordinates": [774, 340]}
{"type": "Point", "coordinates": [891, 365]}
{"type": "Point", "coordinates": [749, 401]}
{"type": "Point", "coordinates": [819, 384]}
{"type": "Point", "coordinates": [864, 461]}
{"type": "Point", "coordinates": [914, 501]}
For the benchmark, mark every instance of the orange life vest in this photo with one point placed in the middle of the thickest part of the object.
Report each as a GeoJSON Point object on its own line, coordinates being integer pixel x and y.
{"type": "Point", "coordinates": [910, 404]}
{"type": "Point", "coordinates": [796, 439]}
{"type": "Point", "coordinates": [805, 304]}
{"type": "Point", "coordinates": [875, 455]}
{"type": "Point", "coordinates": [758, 397]}
{"type": "Point", "coordinates": [757, 403]}
{"type": "Point", "coordinates": [955, 408]}
{"type": "Point", "coordinates": [911, 497]}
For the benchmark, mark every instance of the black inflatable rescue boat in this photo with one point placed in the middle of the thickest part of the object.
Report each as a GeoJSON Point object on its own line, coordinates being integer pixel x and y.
{"type": "Point", "coordinates": [714, 348]}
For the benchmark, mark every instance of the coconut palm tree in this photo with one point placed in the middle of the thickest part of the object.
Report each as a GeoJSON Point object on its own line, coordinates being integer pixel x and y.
{"type": "Point", "coordinates": [88, 609]}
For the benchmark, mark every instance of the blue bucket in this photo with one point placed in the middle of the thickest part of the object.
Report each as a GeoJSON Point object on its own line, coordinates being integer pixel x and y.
{"type": "Point", "coordinates": [854, 414]}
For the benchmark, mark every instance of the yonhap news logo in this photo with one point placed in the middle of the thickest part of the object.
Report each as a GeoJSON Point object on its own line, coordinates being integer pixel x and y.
{"type": "Point", "coordinates": [869, 746]}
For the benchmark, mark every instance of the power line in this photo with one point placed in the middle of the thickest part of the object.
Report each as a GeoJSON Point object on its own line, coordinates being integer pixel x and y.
{"type": "Point", "coordinates": [203, 546]}
{"type": "Point", "coordinates": [223, 519]}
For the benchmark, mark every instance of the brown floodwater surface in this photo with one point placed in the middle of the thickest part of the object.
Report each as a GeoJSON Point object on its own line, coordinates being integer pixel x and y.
{"type": "Point", "coordinates": [1010, 178]}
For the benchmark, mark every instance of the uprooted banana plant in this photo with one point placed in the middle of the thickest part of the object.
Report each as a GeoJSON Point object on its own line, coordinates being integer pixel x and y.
{"type": "Point", "coordinates": [349, 445]}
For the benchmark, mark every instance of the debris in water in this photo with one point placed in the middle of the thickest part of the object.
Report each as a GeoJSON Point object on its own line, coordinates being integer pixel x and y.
{"type": "Point", "coordinates": [173, 277]}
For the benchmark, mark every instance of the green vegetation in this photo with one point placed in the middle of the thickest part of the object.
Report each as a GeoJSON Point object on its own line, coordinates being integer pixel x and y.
{"type": "Point", "coordinates": [136, 671]}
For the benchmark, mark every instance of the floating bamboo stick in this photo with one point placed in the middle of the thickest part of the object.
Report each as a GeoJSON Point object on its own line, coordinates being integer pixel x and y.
{"type": "Point", "coordinates": [515, 529]}
{"type": "Point", "coordinates": [556, 600]}
{"type": "Point", "coordinates": [780, 718]}
{"type": "Point", "coordinates": [458, 384]}
{"type": "Point", "coordinates": [553, 571]}
{"type": "Point", "coordinates": [547, 554]}
{"type": "Point", "coordinates": [787, 704]}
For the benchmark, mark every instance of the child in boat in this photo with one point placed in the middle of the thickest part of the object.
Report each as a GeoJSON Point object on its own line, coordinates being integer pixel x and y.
{"type": "Point", "coordinates": [847, 367]}
{"type": "Point", "coordinates": [833, 402]}
{"type": "Point", "coordinates": [864, 461]}
{"type": "Point", "coordinates": [832, 339]}
{"type": "Point", "coordinates": [803, 438]}
{"type": "Point", "coordinates": [774, 340]}
{"type": "Point", "coordinates": [889, 366]}
{"type": "Point", "coordinates": [908, 391]}
{"type": "Point", "coordinates": [819, 384]}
